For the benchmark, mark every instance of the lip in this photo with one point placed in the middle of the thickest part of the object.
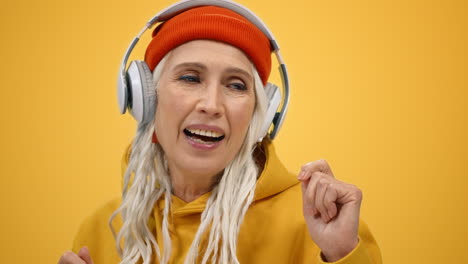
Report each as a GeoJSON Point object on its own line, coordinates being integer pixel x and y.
{"type": "Point", "coordinates": [206, 127]}
{"type": "Point", "coordinates": [201, 146]}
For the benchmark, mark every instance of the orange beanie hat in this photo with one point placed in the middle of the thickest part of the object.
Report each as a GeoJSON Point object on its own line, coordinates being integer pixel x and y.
{"type": "Point", "coordinates": [215, 23]}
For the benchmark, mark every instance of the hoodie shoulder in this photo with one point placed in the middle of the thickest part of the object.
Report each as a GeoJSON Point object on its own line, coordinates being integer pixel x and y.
{"type": "Point", "coordinates": [275, 178]}
{"type": "Point", "coordinates": [95, 233]}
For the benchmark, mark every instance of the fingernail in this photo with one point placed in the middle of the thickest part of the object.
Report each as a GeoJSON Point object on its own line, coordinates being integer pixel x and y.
{"type": "Point", "coordinates": [301, 175]}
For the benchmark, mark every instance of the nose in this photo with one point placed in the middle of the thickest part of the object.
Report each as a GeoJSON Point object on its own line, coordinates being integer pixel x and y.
{"type": "Point", "coordinates": [211, 100]}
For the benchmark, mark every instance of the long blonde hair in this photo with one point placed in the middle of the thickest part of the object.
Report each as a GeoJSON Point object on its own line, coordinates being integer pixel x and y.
{"type": "Point", "coordinates": [147, 179]}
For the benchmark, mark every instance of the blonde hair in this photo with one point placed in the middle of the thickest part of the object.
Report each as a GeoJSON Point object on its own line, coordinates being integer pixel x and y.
{"type": "Point", "coordinates": [147, 179]}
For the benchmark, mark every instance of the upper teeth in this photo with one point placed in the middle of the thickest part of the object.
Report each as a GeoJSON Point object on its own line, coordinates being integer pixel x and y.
{"type": "Point", "coordinates": [206, 133]}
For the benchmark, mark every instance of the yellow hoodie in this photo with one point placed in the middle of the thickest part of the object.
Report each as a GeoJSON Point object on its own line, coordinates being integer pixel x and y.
{"type": "Point", "coordinates": [273, 231]}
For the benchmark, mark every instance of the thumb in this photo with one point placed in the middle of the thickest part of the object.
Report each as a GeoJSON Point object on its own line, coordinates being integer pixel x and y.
{"type": "Point", "coordinates": [307, 204]}
{"type": "Point", "coordinates": [304, 178]}
{"type": "Point", "coordinates": [84, 255]}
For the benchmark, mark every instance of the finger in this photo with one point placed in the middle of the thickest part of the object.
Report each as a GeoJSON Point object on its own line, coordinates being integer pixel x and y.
{"type": "Point", "coordinates": [304, 175]}
{"type": "Point", "coordinates": [318, 165]}
{"type": "Point", "coordinates": [329, 200]}
{"type": "Point", "coordinates": [70, 258]}
{"type": "Point", "coordinates": [320, 194]}
{"type": "Point", "coordinates": [347, 193]}
{"type": "Point", "coordinates": [85, 255]}
{"type": "Point", "coordinates": [306, 203]}
{"type": "Point", "coordinates": [301, 175]}
{"type": "Point", "coordinates": [309, 193]}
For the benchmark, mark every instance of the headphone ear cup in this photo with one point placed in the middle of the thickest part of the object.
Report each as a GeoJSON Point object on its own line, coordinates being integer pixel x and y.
{"type": "Point", "coordinates": [149, 91]}
{"type": "Point", "coordinates": [274, 99]}
{"type": "Point", "coordinates": [142, 97]}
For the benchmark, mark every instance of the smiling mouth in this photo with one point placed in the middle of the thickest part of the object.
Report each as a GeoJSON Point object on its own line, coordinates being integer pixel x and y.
{"type": "Point", "coordinates": [203, 136]}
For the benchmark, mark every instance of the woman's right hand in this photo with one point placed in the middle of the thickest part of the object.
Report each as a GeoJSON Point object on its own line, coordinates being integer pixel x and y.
{"type": "Point", "coordinates": [83, 257]}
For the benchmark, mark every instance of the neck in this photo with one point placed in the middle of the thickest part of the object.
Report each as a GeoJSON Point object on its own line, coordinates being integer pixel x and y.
{"type": "Point", "coordinates": [190, 188]}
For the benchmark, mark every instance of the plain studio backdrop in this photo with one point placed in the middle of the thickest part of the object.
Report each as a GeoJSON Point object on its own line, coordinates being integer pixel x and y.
{"type": "Point", "coordinates": [379, 89]}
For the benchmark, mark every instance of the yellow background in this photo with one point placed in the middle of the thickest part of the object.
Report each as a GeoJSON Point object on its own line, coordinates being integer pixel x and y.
{"type": "Point", "coordinates": [379, 89]}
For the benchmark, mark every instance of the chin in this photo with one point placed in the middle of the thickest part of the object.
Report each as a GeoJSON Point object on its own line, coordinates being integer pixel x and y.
{"type": "Point", "coordinates": [205, 168]}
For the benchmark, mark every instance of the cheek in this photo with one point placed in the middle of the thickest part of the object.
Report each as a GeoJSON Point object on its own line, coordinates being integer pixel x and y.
{"type": "Point", "coordinates": [241, 115]}
{"type": "Point", "coordinates": [169, 106]}
{"type": "Point", "coordinates": [170, 110]}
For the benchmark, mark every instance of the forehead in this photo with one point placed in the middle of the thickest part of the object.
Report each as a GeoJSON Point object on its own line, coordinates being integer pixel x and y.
{"type": "Point", "coordinates": [210, 53]}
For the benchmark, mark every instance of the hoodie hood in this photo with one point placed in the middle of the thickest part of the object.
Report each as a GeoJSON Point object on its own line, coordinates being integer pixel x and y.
{"type": "Point", "coordinates": [273, 179]}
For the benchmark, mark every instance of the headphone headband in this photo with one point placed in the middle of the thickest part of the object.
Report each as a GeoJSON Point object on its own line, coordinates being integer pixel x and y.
{"type": "Point", "coordinates": [184, 5]}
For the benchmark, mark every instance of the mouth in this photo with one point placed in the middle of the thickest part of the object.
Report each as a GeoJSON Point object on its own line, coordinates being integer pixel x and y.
{"type": "Point", "coordinates": [203, 136]}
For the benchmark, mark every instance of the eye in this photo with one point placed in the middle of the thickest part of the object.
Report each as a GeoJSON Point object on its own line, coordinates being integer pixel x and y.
{"type": "Point", "coordinates": [189, 78]}
{"type": "Point", "coordinates": [238, 86]}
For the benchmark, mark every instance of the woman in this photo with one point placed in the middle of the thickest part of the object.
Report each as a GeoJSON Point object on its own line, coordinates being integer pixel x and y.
{"type": "Point", "coordinates": [198, 188]}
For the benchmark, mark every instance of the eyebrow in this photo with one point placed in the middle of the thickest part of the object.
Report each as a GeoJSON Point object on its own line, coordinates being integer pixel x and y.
{"type": "Point", "coordinates": [239, 71]}
{"type": "Point", "coordinates": [201, 66]}
{"type": "Point", "coordinates": [190, 65]}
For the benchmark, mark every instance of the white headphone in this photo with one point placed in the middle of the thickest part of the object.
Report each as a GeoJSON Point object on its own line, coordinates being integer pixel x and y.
{"type": "Point", "coordinates": [135, 85]}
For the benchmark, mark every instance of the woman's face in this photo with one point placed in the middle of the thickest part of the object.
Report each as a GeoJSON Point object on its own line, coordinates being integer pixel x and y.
{"type": "Point", "coordinates": [206, 100]}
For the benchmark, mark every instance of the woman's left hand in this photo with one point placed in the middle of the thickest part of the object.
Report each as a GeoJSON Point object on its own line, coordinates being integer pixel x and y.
{"type": "Point", "coordinates": [331, 210]}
